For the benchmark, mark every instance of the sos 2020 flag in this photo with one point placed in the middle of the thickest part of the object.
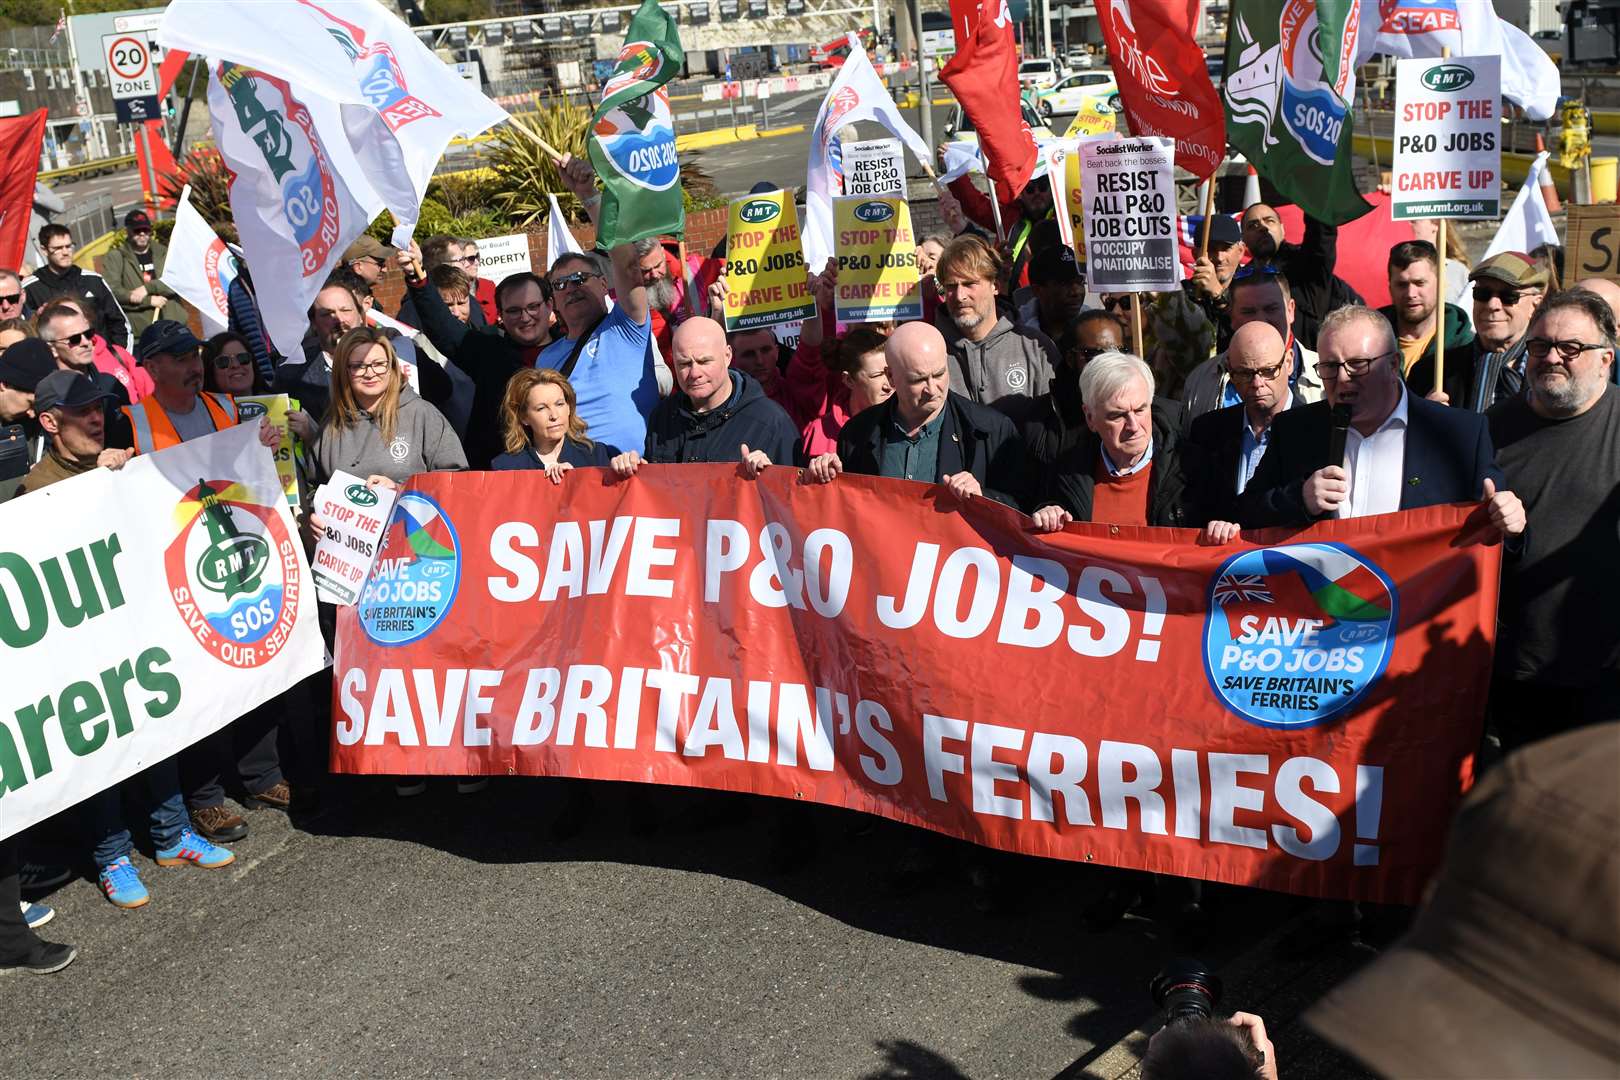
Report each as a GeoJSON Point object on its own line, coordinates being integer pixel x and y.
{"type": "Point", "coordinates": [632, 140]}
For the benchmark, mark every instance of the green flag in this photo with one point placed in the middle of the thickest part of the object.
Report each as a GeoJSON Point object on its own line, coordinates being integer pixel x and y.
{"type": "Point", "coordinates": [1290, 78]}
{"type": "Point", "coordinates": [632, 141]}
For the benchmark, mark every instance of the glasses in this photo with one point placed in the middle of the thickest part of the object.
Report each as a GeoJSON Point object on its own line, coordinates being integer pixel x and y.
{"type": "Point", "coordinates": [14, 298]}
{"type": "Point", "coordinates": [578, 277]}
{"type": "Point", "coordinates": [468, 260]}
{"type": "Point", "coordinates": [382, 264]}
{"type": "Point", "coordinates": [1509, 297]}
{"type": "Point", "coordinates": [1087, 352]}
{"type": "Point", "coordinates": [375, 367]}
{"type": "Point", "coordinates": [1249, 375]}
{"type": "Point", "coordinates": [74, 340]}
{"type": "Point", "coordinates": [232, 359]}
{"type": "Point", "coordinates": [1255, 270]}
{"type": "Point", "coordinates": [1540, 347]}
{"type": "Point", "coordinates": [1355, 366]}
{"type": "Point", "coordinates": [533, 311]}
{"type": "Point", "coordinates": [1117, 303]}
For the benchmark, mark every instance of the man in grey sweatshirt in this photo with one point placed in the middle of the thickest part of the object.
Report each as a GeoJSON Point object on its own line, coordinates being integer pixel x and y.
{"type": "Point", "coordinates": [993, 361]}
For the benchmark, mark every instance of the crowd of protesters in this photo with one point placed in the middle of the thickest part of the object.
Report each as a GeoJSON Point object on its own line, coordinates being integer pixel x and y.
{"type": "Point", "coordinates": [1016, 387]}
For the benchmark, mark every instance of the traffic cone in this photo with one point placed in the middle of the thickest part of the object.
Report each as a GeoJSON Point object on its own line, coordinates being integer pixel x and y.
{"type": "Point", "coordinates": [1251, 188]}
{"type": "Point", "coordinates": [1549, 190]}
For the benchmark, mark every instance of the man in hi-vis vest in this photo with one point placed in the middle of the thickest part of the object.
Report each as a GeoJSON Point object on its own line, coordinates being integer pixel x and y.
{"type": "Point", "coordinates": [178, 408]}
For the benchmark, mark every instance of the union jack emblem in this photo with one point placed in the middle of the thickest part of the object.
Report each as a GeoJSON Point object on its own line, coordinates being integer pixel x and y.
{"type": "Point", "coordinates": [1250, 587]}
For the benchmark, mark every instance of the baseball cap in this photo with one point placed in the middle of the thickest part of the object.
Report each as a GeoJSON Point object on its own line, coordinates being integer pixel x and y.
{"type": "Point", "coordinates": [1511, 968]}
{"type": "Point", "coordinates": [367, 247]}
{"type": "Point", "coordinates": [165, 336]}
{"type": "Point", "coordinates": [1514, 268]}
{"type": "Point", "coordinates": [1054, 265]}
{"type": "Point", "coordinates": [137, 221]}
{"type": "Point", "coordinates": [66, 389]}
{"type": "Point", "coordinates": [26, 363]}
{"type": "Point", "coordinates": [1224, 230]}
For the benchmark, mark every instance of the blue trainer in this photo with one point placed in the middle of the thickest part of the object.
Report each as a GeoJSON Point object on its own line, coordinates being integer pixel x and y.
{"type": "Point", "coordinates": [194, 849]}
{"type": "Point", "coordinates": [36, 915]}
{"type": "Point", "coordinates": [123, 885]}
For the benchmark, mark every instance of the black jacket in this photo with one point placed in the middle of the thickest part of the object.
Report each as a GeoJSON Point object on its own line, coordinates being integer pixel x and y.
{"type": "Point", "coordinates": [411, 317]}
{"type": "Point", "coordinates": [676, 434]}
{"type": "Point", "coordinates": [973, 438]}
{"type": "Point", "coordinates": [1177, 489]}
{"type": "Point", "coordinates": [1309, 267]}
{"type": "Point", "coordinates": [1448, 457]}
{"type": "Point", "coordinates": [577, 454]}
{"type": "Point", "coordinates": [1056, 419]}
{"type": "Point", "coordinates": [1220, 435]}
{"type": "Point", "coordinates": [1062, 439]}
{"type": "Point", "coordinates": [49, 283]}
{"type": "Point", "coordinates": [1475, 378]}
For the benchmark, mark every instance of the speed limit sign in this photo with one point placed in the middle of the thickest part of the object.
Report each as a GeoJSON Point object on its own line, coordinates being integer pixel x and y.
{"type": "Point", "coordinates": [130, 71]}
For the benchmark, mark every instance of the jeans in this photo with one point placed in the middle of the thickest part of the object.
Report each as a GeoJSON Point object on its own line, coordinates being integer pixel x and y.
{"type": "Point", "coordinates": [157, 791]}
{"type": "Point", "coordinates": [244, 748]}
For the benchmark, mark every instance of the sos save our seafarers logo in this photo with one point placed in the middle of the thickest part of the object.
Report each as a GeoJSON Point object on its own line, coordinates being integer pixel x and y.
{"type": "Point", "coordinates": [382, 79]}
{"type": "Point", "coordinates": [1296, 635]}
{"type": "Point", "coordinates": [234, 573]}
{"type": "Point", "coordinates": [416, 576]}
{"type": "Point", "coordinates": [282, 128]}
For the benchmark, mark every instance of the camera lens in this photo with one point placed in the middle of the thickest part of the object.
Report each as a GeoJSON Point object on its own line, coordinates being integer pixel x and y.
{"type": "Point", "coordinates": [1185, 990]}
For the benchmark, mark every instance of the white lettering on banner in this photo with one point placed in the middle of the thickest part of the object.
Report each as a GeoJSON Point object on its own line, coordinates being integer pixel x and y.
{"type": "Point", "coordinates": [499, 257]}
{"type": "Point", "coordinates": [988, 769]}
{"type": "Point", "coordinates": [172, 590]}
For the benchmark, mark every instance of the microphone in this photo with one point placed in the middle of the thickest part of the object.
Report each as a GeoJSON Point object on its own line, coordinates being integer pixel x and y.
{"type": "Point", "coordinates": [1339, 433]}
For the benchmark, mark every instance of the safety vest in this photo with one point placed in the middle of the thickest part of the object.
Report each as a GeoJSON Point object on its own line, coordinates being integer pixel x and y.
{"type": "Point", "coordinates": [154, 430]}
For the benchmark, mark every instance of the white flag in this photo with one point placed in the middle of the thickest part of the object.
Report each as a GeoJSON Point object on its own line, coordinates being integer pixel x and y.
{"type": "Point", "coordinates": [857, 94]}
{"type": "Point", "coordinates": [1529, 77]}
{"type": "Point", "coordinates": [199, 266]}
{"type": "Point", "coordinates": [1527, 225]}
{"type": "Point", "coordinates": [298, 195]}
{"type": "Point", "coordinates": [961, 158]}
{"type": "Point", "coordinates": [401, 105]}
{"type": "Point", "coordinates": [559, 237]}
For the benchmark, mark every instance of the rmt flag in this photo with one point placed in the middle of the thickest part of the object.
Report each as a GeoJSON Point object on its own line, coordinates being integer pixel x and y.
{"type": "Point", "coordinates": [632, 140]}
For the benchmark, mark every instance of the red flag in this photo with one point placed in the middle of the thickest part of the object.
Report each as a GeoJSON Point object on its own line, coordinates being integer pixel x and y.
{"type": "Point", "coordinates": [1163, 79]}
{"type": "Point", "coordinates": [984, 77]}
{"type": "Point", "coordinates": [20, 140]}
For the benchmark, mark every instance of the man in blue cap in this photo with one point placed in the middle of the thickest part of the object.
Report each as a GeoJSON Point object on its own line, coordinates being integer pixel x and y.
{"type": "Point", "coordinates": [177, 409]}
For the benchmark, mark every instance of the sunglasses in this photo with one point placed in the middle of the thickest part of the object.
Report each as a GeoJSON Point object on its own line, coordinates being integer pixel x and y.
{"type": "Point", "coordinates": [1509, 297]}
{"type": "Point", "coordinates": [578, 277]}
{"type": "Point", "coordinates": [75, 340]}
{"type": "Point", "coordinates": [232, 359]}
{"type": "Point", "coordinates": [1117, 303]}
{"type": "Point", "coordinates": [12, 299]}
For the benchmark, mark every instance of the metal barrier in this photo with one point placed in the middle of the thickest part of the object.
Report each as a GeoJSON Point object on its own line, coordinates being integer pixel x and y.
{"type": "Point", "coordinates": [88, 218]}
{"type": "Point", "coordinates": [88, 168]}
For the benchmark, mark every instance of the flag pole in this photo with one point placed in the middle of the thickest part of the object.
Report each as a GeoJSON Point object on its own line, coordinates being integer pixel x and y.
{"type": "Point", "coordinates": [556, 155]}
{"type": "Point", "coordinates": [1136, 324]}
{"type": "Point", "coordinates": [995, 211]}
{"type": "Point", "coordinates": [1209, 209]}
{"type": "Point", "coordinates": [1440, 291]}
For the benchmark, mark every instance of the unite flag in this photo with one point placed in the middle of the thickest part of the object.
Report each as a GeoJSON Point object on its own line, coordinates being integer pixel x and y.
{"type": "Point", "coordinates": [1164, 82]}
{"type": "Point", "coordinates": [984, 77]}
{"type": "Point", "coordinates": [20, 140]}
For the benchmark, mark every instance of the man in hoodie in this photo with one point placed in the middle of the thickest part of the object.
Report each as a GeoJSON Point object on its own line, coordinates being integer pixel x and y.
{"type": "Point", "coordinates": [716, 413]}
{"type": "Point", "coordinates": [61, 277]}
{"type": "Point", "coordinates": [993, 360]}
{"type": "Point", "coordinates": [1414, 288]}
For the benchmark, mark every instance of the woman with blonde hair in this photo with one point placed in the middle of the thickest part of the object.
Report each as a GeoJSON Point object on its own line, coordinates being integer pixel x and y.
{"type": "Point", "coordinates": [542, 427]}
{"type": "Point", "coordinates": [376, 425]}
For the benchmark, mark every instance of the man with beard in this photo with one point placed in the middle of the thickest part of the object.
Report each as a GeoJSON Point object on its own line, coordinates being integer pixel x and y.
{"type": "Point", "coordinates": [336, 311]}
{"type": "Point", "coordinates": [993, 361]}
{"type": "Point", "coordinates": [1558, 653]}
{"type": "Point", "coordinates": [660, 272]}
{"type": "Point", "coordinates": [1414, 311]}
{"type": "Point", "coordinates": [1507, 288]}
{"type": "Point", "coordinates": [1309, 265]}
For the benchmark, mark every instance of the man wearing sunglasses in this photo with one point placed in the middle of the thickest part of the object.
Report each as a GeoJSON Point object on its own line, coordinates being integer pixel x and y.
{"type": "Point", "coordinates": [60, 277]}
{"type": "Point", "coordinates": [1507, 288]}
{"type": "Point", "coordinates": [72, 342]}
{"type": "Point", "coordinates": [1401, 452]}
{"type": "Point", "coordinates": [134, 273]}
{"type": "Point", "coordinates": [12, 300]}
{"type": "Point", "coordinates": [1558, 653]}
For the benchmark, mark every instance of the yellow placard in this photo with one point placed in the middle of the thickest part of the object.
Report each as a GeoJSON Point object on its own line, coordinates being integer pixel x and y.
{"type": "Point", "coordinates": [877, 261]}
{"type": "Point", "coordinates": [1072, 216]}
{"type": "Point", "coordinates": [1094, 118]}
{"type": "Point", "coordinates": [765, 278]}
{"type": "Point", "coordinates": [275, 407]}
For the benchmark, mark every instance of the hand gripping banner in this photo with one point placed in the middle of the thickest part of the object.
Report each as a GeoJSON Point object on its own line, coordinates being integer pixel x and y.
{"type": "Point", "coordinates": [1299, 716]}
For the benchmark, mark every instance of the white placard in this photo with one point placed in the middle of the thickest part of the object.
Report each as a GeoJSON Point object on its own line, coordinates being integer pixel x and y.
{"type": "Point", "coordinates": [876, 167]}
{"type": "Point", "coordinates": [1448, 138]}
{"type": "Point", "coordinates": [502, 256]}
{"type": "Point", "coordinates": [1129, 193]}
{"type": "Point", "coordinates": [355, 515]}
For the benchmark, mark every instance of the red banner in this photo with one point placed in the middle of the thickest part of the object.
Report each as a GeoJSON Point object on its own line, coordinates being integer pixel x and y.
{"type": "Point", "coordinates": [20, 140]}
{"type": "Point", "coordinates": [1164, 81]}
{"type": "Point", "coordinates": [1299, 716]}
{"type": "Point", "coordinates": [984, 77]}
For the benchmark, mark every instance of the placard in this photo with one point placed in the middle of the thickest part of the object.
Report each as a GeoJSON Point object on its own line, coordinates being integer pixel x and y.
{"type": "Point", "coordinates": [500, 257]}
{"type": "Point", "coordinates": [875, 167]}
{"type": "Point", "coordinates": [275, 407]}
{"type": "Point", "coordinates": [766, 284]}
{"type": "Point", "coordinates": [355, 513]}
{"type": "Point", "coordinates": [1128, 193]}
{"type": "Point", "coordinates": [877, 261]}
{"type": "Point", "coordinates": [1594, 242]}
{"type": "Point", "coordinates": [1448, 138]}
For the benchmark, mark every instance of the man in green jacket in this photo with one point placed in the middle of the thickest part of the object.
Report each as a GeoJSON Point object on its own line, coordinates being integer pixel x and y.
{"type": "Point", "coordinates": [132, 273]}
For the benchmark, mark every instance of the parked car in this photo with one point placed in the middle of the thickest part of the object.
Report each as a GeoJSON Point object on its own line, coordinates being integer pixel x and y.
{"type": "Point", "coordinates": [1095, 90]}
{"type": "Point", "coordinates": [960, 128]}
{"type": "Point", "coordinates": [1078, 59]}
{"type": "Point", "coordinates": [1039, 73]}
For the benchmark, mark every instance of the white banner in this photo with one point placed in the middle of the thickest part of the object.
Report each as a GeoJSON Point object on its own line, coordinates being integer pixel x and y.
{"type": "Point", "coordinates": [141, 610]}
{"type": "Point", "coordinates": [354, 514]}
{"type": "Point", "coordinates": [1129, 193]}
{"type": "Point", "coordinates": [401, 104]}
{"type": "Point", "coordinates": [199, 266]}
{"type": "Point", "coordinates": [1448, 128]}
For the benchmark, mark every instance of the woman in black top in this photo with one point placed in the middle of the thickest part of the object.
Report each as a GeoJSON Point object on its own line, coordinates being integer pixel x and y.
{"type": "Point", "coordinates": [543, 429]}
